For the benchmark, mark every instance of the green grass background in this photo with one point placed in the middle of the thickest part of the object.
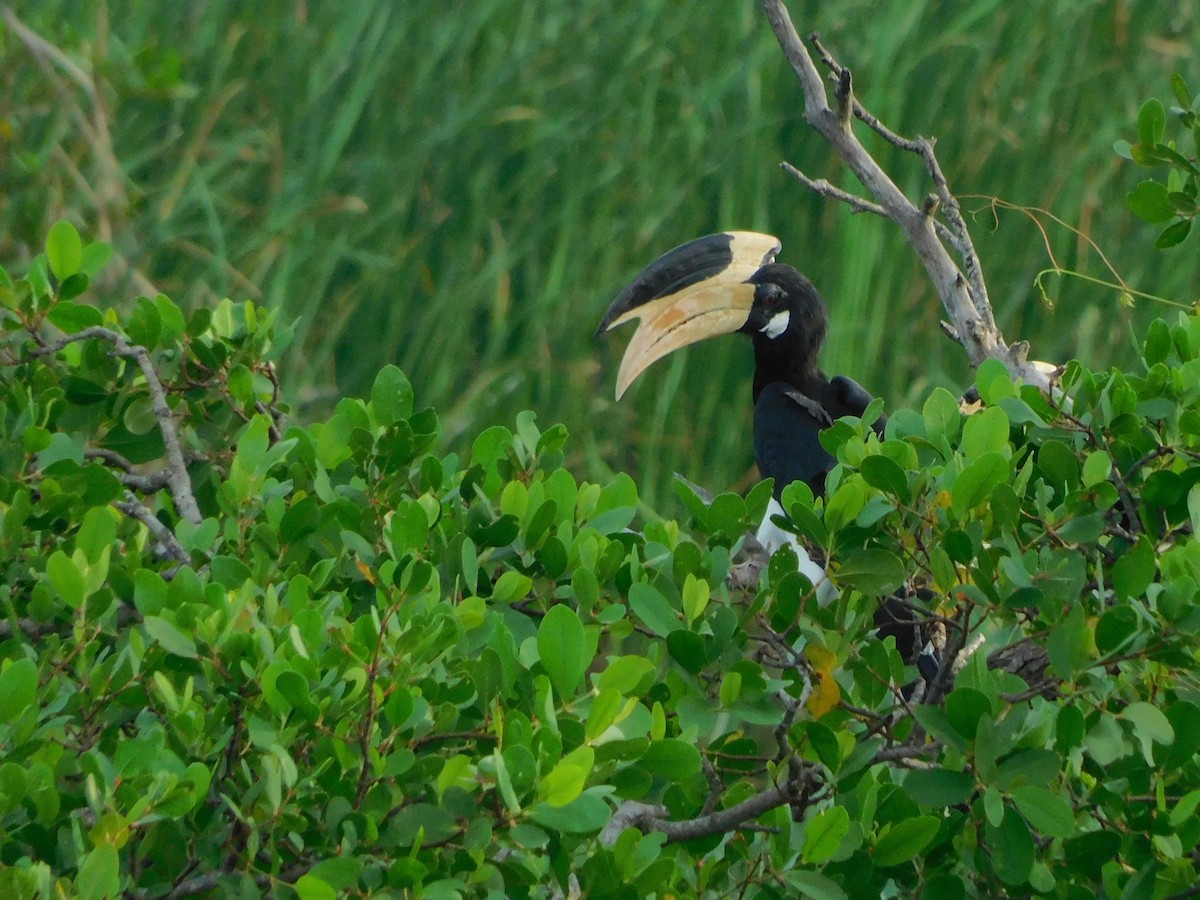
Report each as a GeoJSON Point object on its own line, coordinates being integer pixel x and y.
{"type": "Point", "coordinates": [462, 187]}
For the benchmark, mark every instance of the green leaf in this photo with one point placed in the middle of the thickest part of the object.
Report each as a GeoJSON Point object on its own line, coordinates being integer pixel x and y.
{"type": "Point", "coordinates": [18, 688]}
{"type": "Point", "coordinates": [934, 720]}
{"type": "Point", "coordinates": [301, 520]}
{"type": "Point", "coordinates": [1134, 570]}
{"type": "Point", "coordinates": [942, 417]}
{"type": "Point", "coordinates": [653, 609]}
{"type": "Point", "coordinates": [563, 648]}
{"type": "Point", "coordinates": [986, 432]}
{"type": "Point", "coordinates": [391, 396]}
{"type": "Point", "coordinates": [252, 446]}
{"type": "Point", "coordinates": [1151, 122]}
{"type": "Point", "coordinates": [491, 445]}
{"type": "Point", "coordinates": [822, 740]}
{"type": "Point", "coordinates": [938, 788]}
{"type": "Point", "coordinates": [98, 532]}
{"type": "Point", "coordinates": [1106, 742]}
{"type": "Point", "coordinates": [1067, 646]}
{"type": "Point", "coordinates": [1148, 201]}
{"type": "Point", "coordinates": [72, 318]}
{"type": "Point", "coordinates": [340, 872]}
{"type": "Point", "coordinates": [1149, 725]}
{"type": "Point", "coordinates": [1013, 851]}
{"type": "Point", "coordinates": [1184, 717]}
{"type": "Point", "coordinates": [671, 758]}
{"type": "Point", "coordinates": [1174, 235]}
{"type": "Point", "coordinates": [625, 673]}
{"type": "Point", "coordinates": [169, 637]}
{"type": "Point", "coordinates": [874, 572]}
{"type": "Point", "coordinates": [144, 325]}
{"type": "Point", "coordinates": [905, 840]}
{"type": "Point", "coordinates": [1115, 627]}
{"type": "Point", "coordinates": [99, 874]}
{"type": "Point", "coordinates": [293, 687]}
{"type": "Point", "coordinates": [824, 833]}
{"type": "Point", "coordinates": [1182, 95]}
{"type": "Point", "coordinates": [511, 586]}
{"type": "Point", "coordinates": [1096, 468]}
{"type": "Point", "coordinates": [619, 493]}
{"type": "Point", "coordinates": [312, 887]}
{"type": "Point", "coordinates": [994, 382]}
{"type": "Point", "coordinates": [584, 814]}
{"type": "Point", "coordinates": [605, 707]}
{"type": "Point", "coordinates": [566, 781]}
{"type": "Point", "coordinates": [814, 885]}
{"type": "Point", "coordinates": [67, 578]}
{"type": "Point", "coordinates": [1045, 810]}
{"type": "Point", "coordinates": [965, 706]}
{"type": "Point", "coordinates": [73, 286]}
{"type": "Point", "coordinates": [976, 481]}
{"type": "Point", "coordinates": [696, 594]}
{"type": "Point", "coordinates": [886, 475]}
{"type": "Point", "coordinates": [687, 649]}
{"type": "Point", "coordinates": [64, 249]}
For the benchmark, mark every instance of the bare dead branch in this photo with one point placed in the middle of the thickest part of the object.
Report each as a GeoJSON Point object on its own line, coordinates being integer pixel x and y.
{"type": "Point", "coordinates": [964, 297]}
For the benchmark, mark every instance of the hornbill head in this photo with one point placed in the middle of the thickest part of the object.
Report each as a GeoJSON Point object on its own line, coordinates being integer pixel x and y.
{"type": "Point", "coordinates": [718, 284]}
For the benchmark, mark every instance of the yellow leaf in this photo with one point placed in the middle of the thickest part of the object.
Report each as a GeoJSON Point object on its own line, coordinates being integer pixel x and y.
{"type": "Point", "coordinates": [823, 660]}
{"type": "Point", "coordinates": [826, 695]}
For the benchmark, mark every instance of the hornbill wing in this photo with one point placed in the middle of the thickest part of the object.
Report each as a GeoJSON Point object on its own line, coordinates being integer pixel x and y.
{"type": "Point", "coordinates": [695, 291]}
{"type": "Point", "coordinates": [787, 446]}
{"type": "Point", "coordinates": [852, 399]}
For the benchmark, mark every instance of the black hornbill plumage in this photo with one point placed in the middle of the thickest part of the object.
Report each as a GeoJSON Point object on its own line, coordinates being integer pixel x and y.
{"type": "Point", "coordinates": [730, 282]}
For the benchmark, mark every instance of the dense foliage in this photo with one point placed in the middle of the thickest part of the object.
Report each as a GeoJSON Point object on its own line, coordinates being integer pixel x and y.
{"type": "Point", "coordinates": [245, 654]}
{"type": "Point", "coordinates": [366, 168]}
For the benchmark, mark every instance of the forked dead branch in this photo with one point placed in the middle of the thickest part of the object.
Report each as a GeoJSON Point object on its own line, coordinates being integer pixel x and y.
{"type": "Point", "coordinates": [962, 290]}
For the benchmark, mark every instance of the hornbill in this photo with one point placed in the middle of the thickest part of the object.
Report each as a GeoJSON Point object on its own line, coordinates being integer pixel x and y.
{"type": "Point", "coordinates": [729, 282]}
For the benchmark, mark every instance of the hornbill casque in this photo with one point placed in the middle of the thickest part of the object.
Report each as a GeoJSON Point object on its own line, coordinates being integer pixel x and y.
{"type": "Point", "coordinates": [729, 282]}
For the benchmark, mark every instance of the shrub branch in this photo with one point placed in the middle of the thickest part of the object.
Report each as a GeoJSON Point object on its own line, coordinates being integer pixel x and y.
{"type": "Point", "coordinates": [175, 472]}
{"type": "Point", "coordinates": [647, 818]}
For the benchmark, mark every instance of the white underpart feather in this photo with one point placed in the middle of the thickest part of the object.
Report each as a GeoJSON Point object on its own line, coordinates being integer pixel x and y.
{"type": "Point", "coordinates": [777, 324]}
{"type": "Point", "coordinates": [772, 537]}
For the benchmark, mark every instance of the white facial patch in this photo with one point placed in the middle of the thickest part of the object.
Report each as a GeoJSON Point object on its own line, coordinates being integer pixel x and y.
{"type": "Point", "coordinates": [777, 324]}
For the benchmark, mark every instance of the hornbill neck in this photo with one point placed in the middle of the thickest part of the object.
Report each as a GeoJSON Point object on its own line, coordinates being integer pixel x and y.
{"type": "Point", "coordinates": [792, 359]}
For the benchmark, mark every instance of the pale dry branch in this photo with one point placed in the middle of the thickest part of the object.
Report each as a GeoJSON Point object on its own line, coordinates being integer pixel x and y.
{"type": "Point", "coordinates": [964, 296]}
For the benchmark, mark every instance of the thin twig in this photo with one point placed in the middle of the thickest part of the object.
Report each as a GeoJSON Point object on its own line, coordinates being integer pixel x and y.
{"type": "Point", "coordinates": [825, 189]}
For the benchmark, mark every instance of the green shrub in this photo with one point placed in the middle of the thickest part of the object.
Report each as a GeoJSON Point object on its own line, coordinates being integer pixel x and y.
{"type": "Point", "coordinates": [333, 660]}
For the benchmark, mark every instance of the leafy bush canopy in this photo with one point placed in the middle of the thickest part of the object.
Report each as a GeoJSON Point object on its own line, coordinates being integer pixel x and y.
{"type": "Point", "coordinates": [330, 658]}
